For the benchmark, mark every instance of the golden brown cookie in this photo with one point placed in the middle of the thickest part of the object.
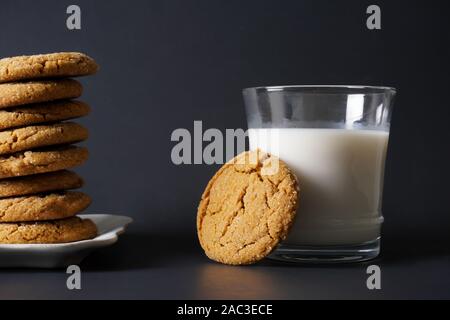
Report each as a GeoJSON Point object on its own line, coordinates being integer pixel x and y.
{"type": "Point", "coordinates": [41, 160]}
{"type": "Point", "coordinates": [38, 183]}
{"type": "Point", "coordinates": [247, 208]}
{"type": "Point", "coordinates": [20, 93]}
{"type": "Point", "coordinates": [62, 64]}
{"type": "Point", "coordinates": [57, 231]}
{"type": "Point", "coordinates": [43, 207]}
{"type": "Point", "coordinates": [41, 113]}
{"type": "Point", "coordinates": [31, 137]}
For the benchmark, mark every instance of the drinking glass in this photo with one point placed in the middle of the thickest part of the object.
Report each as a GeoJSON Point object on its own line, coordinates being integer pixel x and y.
{"type": "Point", "coordinates": [334, 138]}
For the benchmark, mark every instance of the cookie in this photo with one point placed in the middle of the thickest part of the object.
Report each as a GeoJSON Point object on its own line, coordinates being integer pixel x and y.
{"type": "Point", "coordinates": [20, 93]}
{"type": "Point", "coordinates": [31, 137]}
{"type": "Point", "coordinates": [247, 208]}
{"type": "Point", "coordinates": [39, 183]}
{"type": "Point", "coordinates": [58, 231]}
{"type": "Point", "coordinates": [41, 161]}
{"type": "Point", "coordinates": [43, 207]}
{"type": "Point", "coordinates": [42, 113]}
{"type": "Point", "coordinates": [62, 64]}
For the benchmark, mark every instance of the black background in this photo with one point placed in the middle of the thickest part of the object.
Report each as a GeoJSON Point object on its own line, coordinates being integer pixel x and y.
{"type": "Point", "coordinates": [167, 63]}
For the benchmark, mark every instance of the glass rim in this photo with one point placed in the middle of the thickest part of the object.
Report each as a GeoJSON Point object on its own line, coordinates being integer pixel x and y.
{"type": "Point", "coordinates": [325, 89]}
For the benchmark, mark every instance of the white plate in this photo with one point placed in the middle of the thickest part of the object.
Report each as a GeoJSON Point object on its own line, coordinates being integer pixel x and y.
{"type": "Point", "coordinates": [64, 254]}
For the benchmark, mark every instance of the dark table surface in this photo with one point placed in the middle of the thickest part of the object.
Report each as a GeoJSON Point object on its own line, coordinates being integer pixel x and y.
{"type": "Point", "coordinates": [161, 265]}
{"type": "Point", "coordinates": [165, 64]}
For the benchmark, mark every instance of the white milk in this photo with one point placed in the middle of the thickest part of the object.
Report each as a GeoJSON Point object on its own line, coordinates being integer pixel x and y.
{"type": "Point", "coordinates": [340, 175]}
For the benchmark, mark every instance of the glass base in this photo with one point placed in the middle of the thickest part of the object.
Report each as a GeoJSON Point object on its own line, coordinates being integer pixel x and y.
{"type": "Point", "coordinates": [327, 254]}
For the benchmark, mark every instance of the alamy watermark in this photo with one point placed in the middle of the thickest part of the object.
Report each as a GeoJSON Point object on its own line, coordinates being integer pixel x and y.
{"type": "Point", "coordinates": [373, 21]}
{"type": "Point", "coordinates": [208, 147]}
{"type": "Point", "coordinates": [213, 146]}
{"type": "Point", "coordinates": [73, 281]}
{"type": "Point", "coordinates": [374, 280]}
{"type": "Point", "coordinates": [73, 21]}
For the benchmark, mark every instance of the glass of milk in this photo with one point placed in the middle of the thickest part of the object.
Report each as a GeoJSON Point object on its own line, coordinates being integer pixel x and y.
{"type": "Point", "coordinates": [334, 138]}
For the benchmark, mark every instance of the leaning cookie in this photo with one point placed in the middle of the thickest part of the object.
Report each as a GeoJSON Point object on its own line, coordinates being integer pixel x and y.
{"type": "Point", "coordinates": [41, 113]}
{"type": "Point", "coordinates": [43, 207]}
{"type": "Point", "coordinates": [58, 231]}
{"type": "Point", "coordinates": [62, 64]}
{"type": "Point", "coordinates": [21, 93]}
{"type": "Point", "coordinates": [42, 160]}
{"type": "Point", "coordinates": [247, 208]}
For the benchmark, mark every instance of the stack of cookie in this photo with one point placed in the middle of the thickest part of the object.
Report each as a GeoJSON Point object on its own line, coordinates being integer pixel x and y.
{"type": "Point", "coordinates": [36, 149]}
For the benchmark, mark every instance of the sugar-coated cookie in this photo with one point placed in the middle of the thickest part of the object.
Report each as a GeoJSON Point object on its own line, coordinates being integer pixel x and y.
{"type": "Point", "coordinates": [39, 183]}
{"type": "Point", "coordinates": [57, 231]}
{"type": "Point", "coordinates": [247, 208]}
{"type": "Point", "coordinates": [20, 93]}
{"type": "Point", "coordinates": [43, 207]}
{"type": "Point", "coordinates": [32, 137]}
{"type": "Point", "coordinates": [41, 160]}
{"type": "Point", "coordinates": [41, 113]}
{"type": "Point", "coordinates": [52, 65]}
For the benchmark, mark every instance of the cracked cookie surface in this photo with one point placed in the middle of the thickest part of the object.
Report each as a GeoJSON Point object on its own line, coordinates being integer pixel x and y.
{"type": "Point", "coordinates": [20, 93]}
{"type": "Point", "coordinates": [43, 207]}
{"type": "Point", "coordinates": [58, 231]}
{"type": "Point", "coordinates": [41, 161]}
{"type": "Point", "coordinates": [247, 208]}
{"type": "Point", "coordinates": [41, 113]}
{"type": "Point", "coordinates": [38, 183]}
{"type": "Point", "coordinates": [60, 64]}
{"type": "Point", "coordinates": [31, 137]}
